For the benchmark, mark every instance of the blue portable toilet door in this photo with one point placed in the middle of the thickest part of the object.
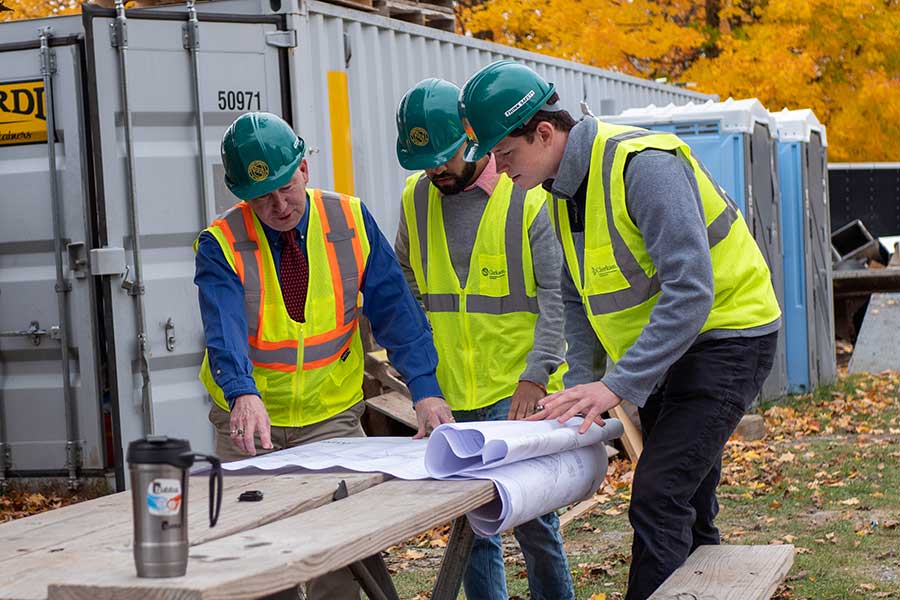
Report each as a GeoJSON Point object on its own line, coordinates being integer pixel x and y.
{"type": "Point", "coordinates": [764, 219]}
{"type": "Point", "coordinates": [817, 229]}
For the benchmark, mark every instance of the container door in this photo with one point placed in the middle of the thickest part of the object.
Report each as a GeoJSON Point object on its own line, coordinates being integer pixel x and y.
{"type": "Point", "coordinates": [239, 66]}
{"type": "Point", "coordinates": [50, 416]}
{"type": "Point", "coordinates": [818, 260]}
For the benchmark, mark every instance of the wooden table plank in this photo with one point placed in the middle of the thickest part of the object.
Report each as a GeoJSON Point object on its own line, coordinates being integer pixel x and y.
{"type": "Point", "coordinates": [729, 573]}
{"type": "Point", "coordinates": [281, 555]}
{"type": "Point", "coordinates": [55, 527]}
{"type": "Point", "coordinates": [285, 495]}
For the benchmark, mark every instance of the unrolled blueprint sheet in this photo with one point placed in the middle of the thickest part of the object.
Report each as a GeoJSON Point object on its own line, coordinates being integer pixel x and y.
{"type": "Point", "coordinates": [536, 466]}
{"type": "Point", "coordinates": [464, 447]}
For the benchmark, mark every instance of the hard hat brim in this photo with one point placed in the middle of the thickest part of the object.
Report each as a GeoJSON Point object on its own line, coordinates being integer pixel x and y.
{"type": "Point", "coordinates": [418, 162]}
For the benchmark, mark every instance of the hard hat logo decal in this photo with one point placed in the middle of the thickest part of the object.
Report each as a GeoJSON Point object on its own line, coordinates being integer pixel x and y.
{"type": "Point", "coordinates": [418, 136]}
{"type": "Point", "coordinates": [519, 104]}
{"type": "Point", "coordinates": [469, 131]}
{"type": "Point", "coordinates": [258, 170]}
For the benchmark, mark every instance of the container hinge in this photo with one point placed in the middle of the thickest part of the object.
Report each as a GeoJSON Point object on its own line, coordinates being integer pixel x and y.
{"type": "Point", "coordinates": [118, 33]}
{"type": "Point", "coordinates": [48, 56]}
{"type": "Point", "coordinates": [35, 332]}
{"type": "Point", "coordinates": [170, 334]}
{"type": "Point", "coordinates": [190, 35]}
{"type": "Point", "coordinates": [282, 39]}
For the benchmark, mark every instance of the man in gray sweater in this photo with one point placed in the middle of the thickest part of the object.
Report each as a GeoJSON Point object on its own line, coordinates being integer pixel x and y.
{"type": "Point", "coordinates": [480, 253]}
{"type": "Point", "coordinates": [662, 275]}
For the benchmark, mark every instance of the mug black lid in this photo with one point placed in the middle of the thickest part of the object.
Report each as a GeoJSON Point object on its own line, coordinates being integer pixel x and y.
{"type": "Point", "coordinates": [160, 450]}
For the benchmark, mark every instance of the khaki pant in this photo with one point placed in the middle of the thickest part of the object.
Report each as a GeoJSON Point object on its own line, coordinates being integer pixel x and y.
{"type": "Point", "coordinates": [339, 585]}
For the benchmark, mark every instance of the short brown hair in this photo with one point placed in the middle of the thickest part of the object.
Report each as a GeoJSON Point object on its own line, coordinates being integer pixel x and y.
{"type": "Point", "coordinates": [561, 120]}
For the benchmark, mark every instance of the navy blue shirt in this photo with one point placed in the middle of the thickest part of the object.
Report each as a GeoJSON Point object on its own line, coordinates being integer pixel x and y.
{"type": "Point", "coordinates": [398, 322]}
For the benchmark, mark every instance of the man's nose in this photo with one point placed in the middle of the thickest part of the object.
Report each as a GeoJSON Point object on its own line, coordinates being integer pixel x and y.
{"type": "Point", "coordinates": [434, 172]}
{"type": "Point", "coordinates": [501, 164]}
{"type": "Point", "coordinates": [279, 200]}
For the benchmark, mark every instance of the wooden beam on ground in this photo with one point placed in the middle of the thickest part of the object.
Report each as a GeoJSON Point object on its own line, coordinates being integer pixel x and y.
{"type": "Point", "coordinates": [632, 439]}
{"type": "Point", "coordinates": [729, 573]}
{"type": "Point", "coordinates": [396, 406]}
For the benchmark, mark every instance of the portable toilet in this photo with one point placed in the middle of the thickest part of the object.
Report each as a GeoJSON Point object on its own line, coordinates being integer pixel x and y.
{"type": "Point", "coordinates": [806, 230]}
{"type": "Point", "coordinates": [735, 140]}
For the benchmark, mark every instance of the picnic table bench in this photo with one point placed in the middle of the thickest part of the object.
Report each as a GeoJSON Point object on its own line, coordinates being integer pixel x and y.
{"type": "Point", "coordinates": [299, 531]}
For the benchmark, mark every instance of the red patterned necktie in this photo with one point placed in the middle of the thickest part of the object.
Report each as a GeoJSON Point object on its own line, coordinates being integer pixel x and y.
{"type": "Point", "coordinates": [294, 276]}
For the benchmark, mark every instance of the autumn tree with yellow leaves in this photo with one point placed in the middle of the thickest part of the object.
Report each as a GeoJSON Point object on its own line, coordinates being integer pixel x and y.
{"type": "Point", "coordinates": [839, 57]}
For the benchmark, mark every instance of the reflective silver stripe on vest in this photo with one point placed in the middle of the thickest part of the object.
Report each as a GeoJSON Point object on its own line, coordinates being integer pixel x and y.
{"type": "Point", "coordinates": [517, 300]}
{"type": "Point", "coordinates": [340, 235]}
{"type": "Point", "coordinates": [420, 202]}
{"type": "Point", "coordinates": [641, 287]}
{"type": "Point", "coordinates": [248, 250]}
{"type": "Point", "coordinates": [719, 229]}
{"type": "Point", "coordinates": [441, 302]}
{"type": "Point", "coordinates": [287, 356]}
{"type": "Point", "coordinates": [327, 349]}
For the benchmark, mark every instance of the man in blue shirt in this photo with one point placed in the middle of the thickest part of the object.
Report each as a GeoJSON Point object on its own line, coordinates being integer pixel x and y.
{"type": "Point", "coordinates": [281, 371]}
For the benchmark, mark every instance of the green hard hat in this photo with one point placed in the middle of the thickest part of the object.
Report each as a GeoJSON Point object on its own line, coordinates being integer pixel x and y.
{"type": "Point", "coordinates": [498, 99]}
{"type": "Point", "coordinates": [428, 128]}
{"type": "Point", "coordinates": [260, 152]}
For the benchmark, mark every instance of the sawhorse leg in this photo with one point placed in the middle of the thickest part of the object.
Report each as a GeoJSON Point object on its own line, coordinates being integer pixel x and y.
{"type": "Point", "coordinates": [456, 558]}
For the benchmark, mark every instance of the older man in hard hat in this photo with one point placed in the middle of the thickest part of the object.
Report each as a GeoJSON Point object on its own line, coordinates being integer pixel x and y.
{"type": "Point", "coordinates": [664, 274]}
{"type": "Point", "coordinates": [281, 276]}
{"type": "Point", "coordinates": [480, 253]}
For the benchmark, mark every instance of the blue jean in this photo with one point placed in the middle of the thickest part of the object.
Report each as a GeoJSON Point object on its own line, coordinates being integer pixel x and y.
{"type": "Point", "coordinates": [540, 541]}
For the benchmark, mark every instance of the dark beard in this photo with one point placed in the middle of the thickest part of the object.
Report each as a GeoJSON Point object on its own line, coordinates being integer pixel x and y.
{"type": "Point", "coordinates": [460, 182]}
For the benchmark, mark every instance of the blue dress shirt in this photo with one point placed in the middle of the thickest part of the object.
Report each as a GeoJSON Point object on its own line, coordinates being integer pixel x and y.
{"type": "Point", "coordinates": [398, 322]}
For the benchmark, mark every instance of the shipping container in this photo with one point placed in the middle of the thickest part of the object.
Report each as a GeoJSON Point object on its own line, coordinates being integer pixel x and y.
{"type": "Point", "coordinates": [735, 141]}
{"type": "Point", "coordinates": [101, 333]}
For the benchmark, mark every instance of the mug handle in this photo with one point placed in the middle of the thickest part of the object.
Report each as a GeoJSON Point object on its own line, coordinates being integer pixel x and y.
{"type": "Point", "coordinates": [215, 486]}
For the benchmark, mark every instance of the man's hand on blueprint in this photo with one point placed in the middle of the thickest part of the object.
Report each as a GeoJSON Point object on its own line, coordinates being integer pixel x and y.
{"type": "Point", "coordinates": [589, 400]}
{"type": "Point", "coordinates": [431, 412]}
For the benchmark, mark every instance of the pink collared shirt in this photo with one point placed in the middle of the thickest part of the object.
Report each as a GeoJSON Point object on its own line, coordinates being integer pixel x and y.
{"type": "Point", "coordinates": [488, 179]}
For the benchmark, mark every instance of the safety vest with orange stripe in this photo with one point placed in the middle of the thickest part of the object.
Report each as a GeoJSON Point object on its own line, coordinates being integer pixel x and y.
{"type": "Point", "coordinates": [305, 372]}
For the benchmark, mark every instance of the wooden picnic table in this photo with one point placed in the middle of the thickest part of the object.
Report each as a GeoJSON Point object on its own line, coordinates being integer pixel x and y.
{"type": "Point", "coordinates": [299, 531]}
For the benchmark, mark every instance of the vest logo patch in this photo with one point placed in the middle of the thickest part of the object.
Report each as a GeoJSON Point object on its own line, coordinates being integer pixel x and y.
{"type": "Point", "coordinates": [418, 136]}
{"type": "Point", "coordinates": [258, 170]}
{"type": "Point", "coordinates": [493, 273]}
{"type": "Point", "coordinates": [604, 270]}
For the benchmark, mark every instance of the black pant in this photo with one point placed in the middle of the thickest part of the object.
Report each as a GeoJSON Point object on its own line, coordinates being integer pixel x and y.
{"type": "Point", "coordinates": [686, 423]}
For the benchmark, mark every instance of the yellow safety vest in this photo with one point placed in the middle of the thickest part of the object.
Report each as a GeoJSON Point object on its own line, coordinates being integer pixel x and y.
{"type": "Point", "coordinates": [618, 282]}
{"type": "Point", "coordinates": [305, 372]}
{"type": "Point", "coordinates": [483, 331]}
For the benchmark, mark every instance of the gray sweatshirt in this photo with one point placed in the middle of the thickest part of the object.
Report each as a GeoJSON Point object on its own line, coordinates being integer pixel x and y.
{"type": "Point", "coordinates": [462, 214]}
{"type": "Point", "coordinates": [662, 199]}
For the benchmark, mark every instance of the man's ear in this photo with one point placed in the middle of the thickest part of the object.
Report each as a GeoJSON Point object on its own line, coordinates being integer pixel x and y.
{"type": "Point", "coordinates": [544, 132]}
{"type": "Point", "coordinates": [304, 171]}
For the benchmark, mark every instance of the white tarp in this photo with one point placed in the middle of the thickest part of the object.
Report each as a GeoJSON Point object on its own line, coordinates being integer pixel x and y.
{"type": "Point", "coordinates": [536, 466]}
